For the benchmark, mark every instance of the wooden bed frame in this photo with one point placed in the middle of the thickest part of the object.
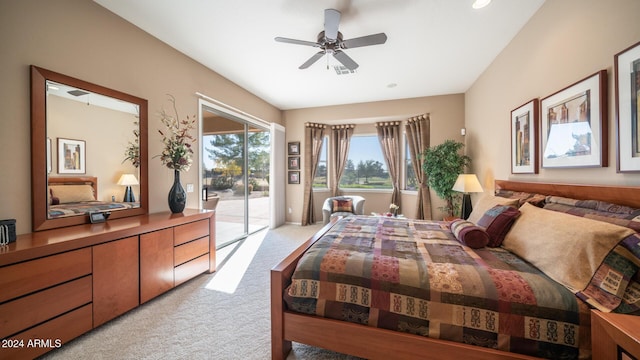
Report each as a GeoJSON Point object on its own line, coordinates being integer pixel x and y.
{"type": "Point", "coordinates": [374, 343]}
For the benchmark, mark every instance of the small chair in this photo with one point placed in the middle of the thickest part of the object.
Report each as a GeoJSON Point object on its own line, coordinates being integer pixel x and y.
{"type": "Point", "coordinates": [328, 210]}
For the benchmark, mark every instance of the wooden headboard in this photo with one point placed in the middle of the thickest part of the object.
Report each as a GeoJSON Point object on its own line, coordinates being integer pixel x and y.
{"type": "Point", "coordinates": [622, 195]}
{"type": "Point", "coordinates": [76, 180]}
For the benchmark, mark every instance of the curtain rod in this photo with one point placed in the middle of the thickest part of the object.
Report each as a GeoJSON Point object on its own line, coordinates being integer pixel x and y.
{"type": "Point", "coordinates": [232, 108]}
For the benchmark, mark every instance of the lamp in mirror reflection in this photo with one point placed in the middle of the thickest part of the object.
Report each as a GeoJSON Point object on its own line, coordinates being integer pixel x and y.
{"type": "Point", "coordinates": [466, 184]}
{"type": "Point", "coordinates": [128, 180]}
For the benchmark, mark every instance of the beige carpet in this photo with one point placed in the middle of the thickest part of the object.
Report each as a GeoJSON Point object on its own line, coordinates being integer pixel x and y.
{"type": "Point", "coordinates": [224, 315]}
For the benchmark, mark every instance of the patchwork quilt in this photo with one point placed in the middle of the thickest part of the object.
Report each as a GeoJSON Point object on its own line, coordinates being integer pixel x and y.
{"type": "Point", "coordinates": [85, 207]}
{"type": "Point", "coordinates": [414, 276]}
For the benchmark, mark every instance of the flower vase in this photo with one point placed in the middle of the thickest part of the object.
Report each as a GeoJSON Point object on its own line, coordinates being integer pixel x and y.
{"type": "Point", "coordinates": [177, 195]}
{"type": "Point", "coordinates": [395, 212]}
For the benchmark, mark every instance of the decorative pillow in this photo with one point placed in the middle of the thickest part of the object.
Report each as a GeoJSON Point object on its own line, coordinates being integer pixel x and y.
{"type": "Point", "coordinates": [569, 249]}
{"type": "Point", "coordinates": [486, 202]}
{"type": "Point", "coordinates": [523, 197]}
{"type": "Point", "coordinates": [469, 234]}
{"type": "Point", "coordinates": [72, 193]}
{"type": "Point", "coordinates": [596, 210]}
{"type": "Point", "coordinates": [497, 221]}
{"type": "Point", "coordinates": [342, 205]}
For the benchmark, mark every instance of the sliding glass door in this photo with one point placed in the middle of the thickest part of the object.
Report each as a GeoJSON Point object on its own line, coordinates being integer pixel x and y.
{"type": "Point", "coordinates": [235, 174]}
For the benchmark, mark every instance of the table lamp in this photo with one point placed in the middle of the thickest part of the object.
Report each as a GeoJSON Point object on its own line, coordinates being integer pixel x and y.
{"type": "Point", "coordinates": [467, 183]}
{"type": "Point", "coordinates": [128, 180]}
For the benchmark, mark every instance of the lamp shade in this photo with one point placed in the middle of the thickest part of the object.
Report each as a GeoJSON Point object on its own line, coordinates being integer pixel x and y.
{"type": "Point", "coordinates": [128, 180]}
{"type": "Point", "coordinates": [467, 183]}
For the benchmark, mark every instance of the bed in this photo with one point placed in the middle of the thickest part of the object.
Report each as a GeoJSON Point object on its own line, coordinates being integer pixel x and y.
{"type": "Point", "coordinates": [302, 288]}
{"type": "Point", "coordinates": [71, 196]}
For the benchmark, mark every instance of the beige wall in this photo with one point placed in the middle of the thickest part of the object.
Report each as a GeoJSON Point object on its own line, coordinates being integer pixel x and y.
{"type": "Point", "coordinates": [447, 118]}
{"type": "Point", "coordinates": [81, 39]}
{"type": "Point", "coordinates": [564, 42]}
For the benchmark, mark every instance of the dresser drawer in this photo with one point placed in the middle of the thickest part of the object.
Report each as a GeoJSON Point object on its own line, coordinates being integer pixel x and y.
{"type": "Point", "coordinates": [191, 250]}
{"type": "Point", "coordinates": [24, 278]}
{"type": "Point", "coordinates": [191, 231]}
{"type": "Point", "coordinates": [50, 335]}
{"type": "Point", "coordinates": [191, 269]}
{"type": "Point", "coordinates": [43, 305]}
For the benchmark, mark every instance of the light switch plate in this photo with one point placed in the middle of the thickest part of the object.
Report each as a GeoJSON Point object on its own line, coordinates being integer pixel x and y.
{"type": "Point", "coordinates": [189, 188]}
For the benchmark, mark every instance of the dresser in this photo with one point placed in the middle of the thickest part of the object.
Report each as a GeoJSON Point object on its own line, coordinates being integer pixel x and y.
{"type": "Point", "coordinates": [58, 284]}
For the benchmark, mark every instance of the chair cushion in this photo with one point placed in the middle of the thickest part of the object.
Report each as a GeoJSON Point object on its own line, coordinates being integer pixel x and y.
{"type": "Point", "coordinates": [342, 213]}
{"type": "Point", "coordinates": [342, 205]}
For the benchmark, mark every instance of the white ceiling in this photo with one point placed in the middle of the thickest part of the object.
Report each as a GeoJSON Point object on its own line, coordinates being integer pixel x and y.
{"type": "Point", "coordinates": [434, 47]}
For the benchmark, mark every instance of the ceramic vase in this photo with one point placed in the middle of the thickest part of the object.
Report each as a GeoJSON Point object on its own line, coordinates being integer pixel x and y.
{"type": "Point", "coordinates": [177, 195]}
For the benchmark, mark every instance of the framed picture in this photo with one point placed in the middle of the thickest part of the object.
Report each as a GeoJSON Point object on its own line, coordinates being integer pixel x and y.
{"type": "Point", "coordinates": [294, 163]}
{"type": "Point", "coordinates": [71, 156]}
{"type": "Point", "coordinates": [294, 177]}
{"type": "Point", "coordinates": [293, 148]}
{"type": "Point", "coordinates": [524, 138]}
{"type": "Point", "coordinates": [574, 125]}
{"type": "Point", "coordinates": [627, 79]}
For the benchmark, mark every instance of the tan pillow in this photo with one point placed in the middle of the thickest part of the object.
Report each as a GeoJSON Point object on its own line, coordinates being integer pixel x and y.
{"type": "Point", "coordinates": [568, 248]}
{"type": "Point", "coordinates": [72, 193]}
{"type": "Point", "coordinates": [486, 202]}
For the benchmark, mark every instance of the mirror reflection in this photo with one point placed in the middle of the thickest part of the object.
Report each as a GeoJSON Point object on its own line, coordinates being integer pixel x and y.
{"type": "Point", "coordinates": [88, 151]}
{"type": "Point", "coordinates": [93, 155]}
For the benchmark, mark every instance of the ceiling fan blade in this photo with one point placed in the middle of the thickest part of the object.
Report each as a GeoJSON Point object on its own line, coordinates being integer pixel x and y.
{"type": "Point", "coordinates": [297, 42]}
{"type": "Point", "coordinates": [331, 22]}
{"type": "Point", "coordinates": [312, 59]}
{"type": "Point", "coordinates": [345, 60]}
{"type": "Point", "coordinates": [374, 39]}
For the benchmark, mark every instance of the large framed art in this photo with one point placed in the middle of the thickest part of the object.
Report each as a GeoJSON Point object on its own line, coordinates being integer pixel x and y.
{"type": "Point", "coordinates": [627, 79]}
{"type": "Point", "coordinates": [574, 125]}
{"type": "Point", "coordinates": [524, 138]}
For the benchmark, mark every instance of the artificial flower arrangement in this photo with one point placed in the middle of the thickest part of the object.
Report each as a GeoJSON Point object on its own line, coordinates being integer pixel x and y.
{"type": "Point", "coordinates": [177, 141]}
{"type": "Point", "coordinates": [393, 209]}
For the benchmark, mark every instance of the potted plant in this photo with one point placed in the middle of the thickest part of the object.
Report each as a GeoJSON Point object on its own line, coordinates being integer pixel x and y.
{"type": "Point", "coordinates": [442, 165]}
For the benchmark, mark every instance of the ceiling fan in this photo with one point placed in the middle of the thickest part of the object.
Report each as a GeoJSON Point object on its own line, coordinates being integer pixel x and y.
{"type": "Point", "coordinates": [330, 42]}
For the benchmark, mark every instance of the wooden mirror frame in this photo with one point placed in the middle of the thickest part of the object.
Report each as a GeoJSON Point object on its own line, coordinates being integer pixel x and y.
{"type": "Point", "coordinates": [39, 176]}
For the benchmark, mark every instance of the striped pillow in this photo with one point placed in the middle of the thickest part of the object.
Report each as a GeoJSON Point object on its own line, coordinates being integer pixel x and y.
{"type": "Point", "coordinates": [469, 234]}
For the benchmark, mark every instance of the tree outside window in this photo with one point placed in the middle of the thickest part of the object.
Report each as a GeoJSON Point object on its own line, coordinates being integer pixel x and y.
{"type": "Point", "coordinates": [320, 180]}
{"type": "Point", "coordinates": [365, 167]}
{"type": "Point", "coordinates": [410, 182]}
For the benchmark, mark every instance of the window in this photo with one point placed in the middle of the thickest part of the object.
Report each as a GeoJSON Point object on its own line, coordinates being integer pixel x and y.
{"type": "Point", "coordinates": [410, 182]}
{"type": "Point", "coordinates": [365, 168]}
{"type": "Point", "coordinates": [320, 181]}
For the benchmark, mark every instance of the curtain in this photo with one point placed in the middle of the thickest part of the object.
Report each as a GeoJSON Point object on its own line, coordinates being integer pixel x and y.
{"type": "Point", "coordinates": [389, 136]}
{"type": "Point", "coordinates": [340, 138]}
{"type": "Point", "coordinates": [313, 137]}
{"type": "Point", "coordinates": [418, 131]}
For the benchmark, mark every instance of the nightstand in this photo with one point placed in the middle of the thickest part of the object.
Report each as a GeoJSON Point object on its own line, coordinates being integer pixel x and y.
{"type": "Point", "coordinates": [614, 336]}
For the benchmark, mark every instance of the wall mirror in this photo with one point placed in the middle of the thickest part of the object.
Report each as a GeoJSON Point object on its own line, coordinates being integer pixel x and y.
{"type": "Point", "coordinates": [88, 151]}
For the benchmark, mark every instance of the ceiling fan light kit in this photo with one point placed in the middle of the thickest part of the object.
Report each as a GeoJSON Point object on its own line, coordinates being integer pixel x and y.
{"type": "Point", "coordinates": [330, 42]}
{"type": "Point", "coordinates": [479, 4]}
